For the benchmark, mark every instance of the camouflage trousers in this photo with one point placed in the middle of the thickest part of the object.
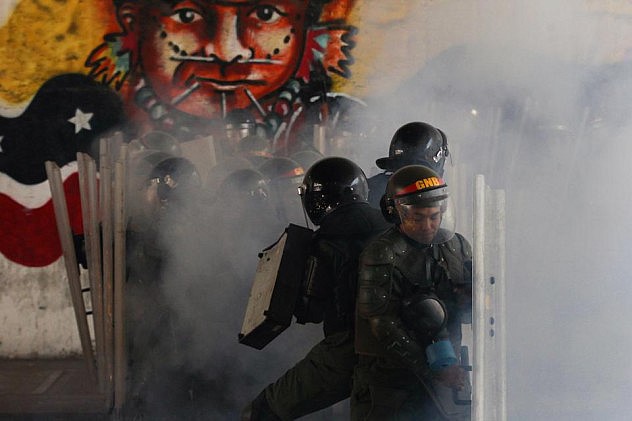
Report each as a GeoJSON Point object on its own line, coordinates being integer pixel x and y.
{"type": "Point", "coordinates": [321, 379]}
{"type": "Point", "coordinates": [382, 392]}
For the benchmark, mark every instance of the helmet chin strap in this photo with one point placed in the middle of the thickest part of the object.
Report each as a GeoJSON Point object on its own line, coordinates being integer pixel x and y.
{"type": "Point", "coordinates": [305, 216]}
{"type": "Point", "coordinates": [301, 192]}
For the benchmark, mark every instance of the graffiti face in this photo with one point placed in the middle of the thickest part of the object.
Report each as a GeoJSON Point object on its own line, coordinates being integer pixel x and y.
{"type": "Point", "coordinates": [197, 55]}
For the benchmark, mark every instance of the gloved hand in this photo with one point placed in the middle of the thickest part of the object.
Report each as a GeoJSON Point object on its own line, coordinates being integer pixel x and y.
{"type": "Point", "coordinates": [452, 376]}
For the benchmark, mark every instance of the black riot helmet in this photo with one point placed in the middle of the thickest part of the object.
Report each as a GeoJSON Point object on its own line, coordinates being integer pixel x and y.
{"type": "Point", "coordinates": [416, 187]}
{"type": "Point", "coordinates": [307, 157]}
{"type": "Point", "coordinates": [330, 183]}
{"type": "Point", "coordinates": [416, 143]}
{"type": "Point", "coordinates": [284, 176]}
{"type": "Point", "coordinates": [255, 148]}
{"type": "Point", "coordinates": [177, 180]}
{"type": "Point", "coordinates": [238, 124]}
{"type": "Point", "coordinates": [247, 185]}
{"type": "Point", "coordinates": [281, 170]}
{"type": "Point", "coordinates": [240, 118]}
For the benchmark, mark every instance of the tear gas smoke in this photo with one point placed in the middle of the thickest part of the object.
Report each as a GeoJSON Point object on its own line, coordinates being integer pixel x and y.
{"type": "Point", "coordinates": [185, 314]}
{"type": "Point", "coordinates": [534, 106]}
{"type": "Point", "coordinates": [531, 103]}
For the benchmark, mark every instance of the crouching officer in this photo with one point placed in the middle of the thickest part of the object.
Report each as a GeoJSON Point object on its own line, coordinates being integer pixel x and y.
{"type": "Point", "coordinates": [414, 288]}
{"type": "Point", "coordinates": [334, 196]}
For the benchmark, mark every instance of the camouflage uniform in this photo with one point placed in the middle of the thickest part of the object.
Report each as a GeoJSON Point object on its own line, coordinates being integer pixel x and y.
{"type": "Point", "coordinates": [392, 380]}
{"type": "Point", "coordinates": [324, 376]}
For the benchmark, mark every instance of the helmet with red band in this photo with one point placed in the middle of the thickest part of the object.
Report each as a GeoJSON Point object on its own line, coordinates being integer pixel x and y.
{"type": "Point", "coordinates": [412, 188]}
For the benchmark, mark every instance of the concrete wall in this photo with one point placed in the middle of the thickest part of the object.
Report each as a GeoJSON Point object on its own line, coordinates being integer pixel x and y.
{"type": "Point", "coordinates": [37, 317]}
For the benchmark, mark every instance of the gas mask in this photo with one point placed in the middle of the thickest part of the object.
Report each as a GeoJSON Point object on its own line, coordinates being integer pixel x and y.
{"type": "Point", "coordinates": [426, 315]}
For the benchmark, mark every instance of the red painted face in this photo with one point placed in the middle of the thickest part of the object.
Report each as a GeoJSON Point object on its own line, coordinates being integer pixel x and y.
{"type": "Point", "coordinates": [198, 54]}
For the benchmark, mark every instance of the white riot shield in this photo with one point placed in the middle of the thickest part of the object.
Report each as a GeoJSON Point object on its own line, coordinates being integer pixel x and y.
{"type": "Point", "coordinates": [489, 395]}
{"type": "Point", "coordinates": [275, 287]}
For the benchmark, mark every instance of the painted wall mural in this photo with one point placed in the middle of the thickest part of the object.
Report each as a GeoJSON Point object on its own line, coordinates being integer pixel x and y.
{"type": "Point", "coordinates": [184, 68]}
{"type": "Point", "coordinates": [190, 69]}
{"type": "Point", "coordinates": [66, 115]}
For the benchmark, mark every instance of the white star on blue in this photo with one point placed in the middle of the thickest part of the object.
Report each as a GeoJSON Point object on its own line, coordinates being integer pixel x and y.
{"type": "Point", "coordinates": [81, 120]}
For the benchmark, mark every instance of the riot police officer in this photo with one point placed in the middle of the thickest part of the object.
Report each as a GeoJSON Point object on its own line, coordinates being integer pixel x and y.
{"type": "Point", "coordinates": [414, 290]}
{"type": "Point", "coordinates": [284, 176]}
{"type": "Point", "coordinates": [333, 193]}
{"type": "Point", "coordinates": [415, 143]}
{"type": "Point", "coordinates": [164, 201]}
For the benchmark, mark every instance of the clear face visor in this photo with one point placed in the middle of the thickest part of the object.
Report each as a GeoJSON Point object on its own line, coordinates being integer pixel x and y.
{"type": "Point", "coordinates": [236, 132]}
{"type": "Point", "coordinates": [427, 222]}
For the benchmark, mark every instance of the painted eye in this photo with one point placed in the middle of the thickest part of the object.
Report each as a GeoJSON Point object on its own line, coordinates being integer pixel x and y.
{"type": "Point", "coordinates": [268, 14]}
{"type": "Point", "coordinates": [186, 16]}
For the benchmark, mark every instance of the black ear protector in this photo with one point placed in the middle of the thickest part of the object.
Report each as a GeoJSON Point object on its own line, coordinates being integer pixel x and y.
{"type": "Point", "coordinates": [388, 210]}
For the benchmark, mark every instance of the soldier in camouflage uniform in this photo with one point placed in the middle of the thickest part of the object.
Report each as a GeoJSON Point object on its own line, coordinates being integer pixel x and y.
{"type": "Point", "coordinates": [414, 290]}
{"type": "Point", "coordinates": [334, 196]}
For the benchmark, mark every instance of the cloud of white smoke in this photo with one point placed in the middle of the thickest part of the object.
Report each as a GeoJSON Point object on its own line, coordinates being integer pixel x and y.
{"type": "Point", "coordinates": [534, 104]}
{"type": "Point", "coordinates": [527, 98]}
